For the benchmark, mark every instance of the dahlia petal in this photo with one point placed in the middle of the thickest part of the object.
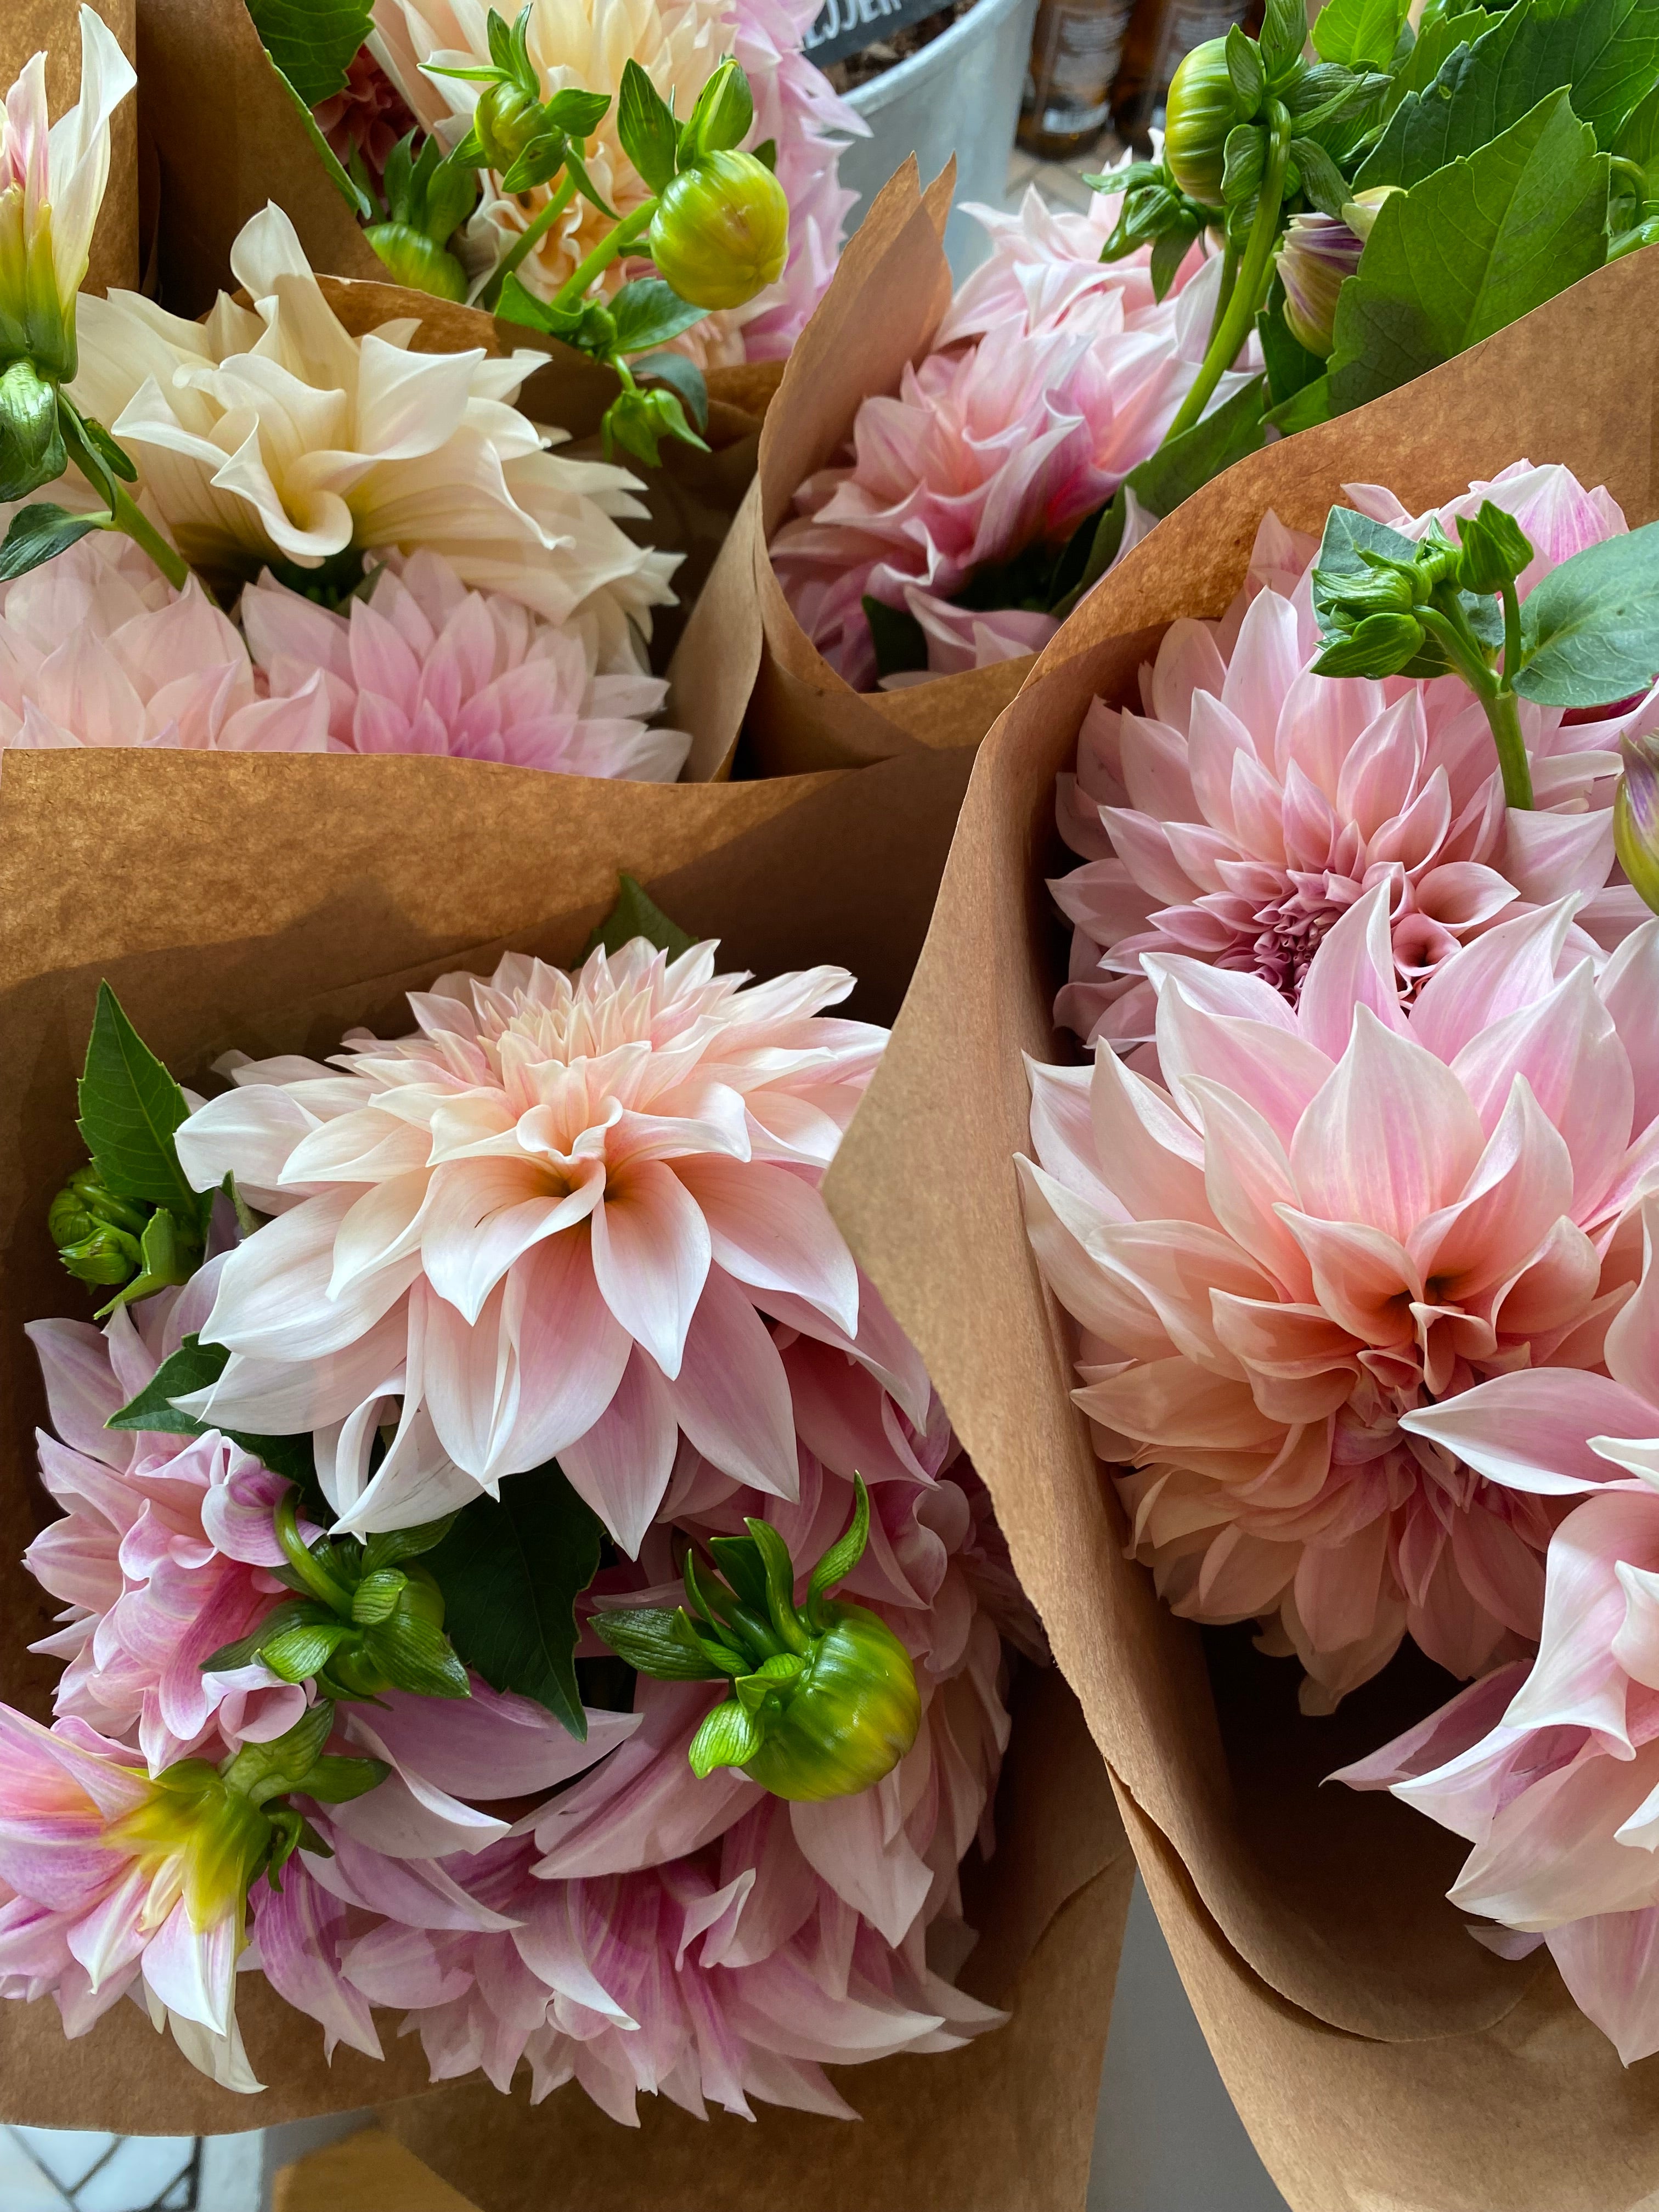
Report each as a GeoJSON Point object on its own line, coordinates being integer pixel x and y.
{"type": "Point", "coordinates": [770, 1228]}
{"type": "Point", "coordinates": [621, 1465]}
{"type": "Point", "coordinates": [1530, 1431]}
{"type": "Point", "coordinates": [1352, 968]}
{"type": "Point", "coordinates": [651, 1256]}
{"type": "Point", "coordinates": [731, 1394]}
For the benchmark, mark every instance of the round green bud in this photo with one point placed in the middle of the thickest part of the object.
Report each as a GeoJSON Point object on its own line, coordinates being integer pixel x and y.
{"type": "Point", "coordinates": [721, 232]}
{"type": "Point", "coordinates": [846, 1719]}
{"type": "Point", "coordinates": [415, 260]}
{"type": "Point", "coordinates": [1203, 109]}
{"type": "Point", "coordinates": [104, 1256]}
{"type": "Point", "coordinates": [32, 451]}
{"type": "Point", "coordinates": [506, 119]}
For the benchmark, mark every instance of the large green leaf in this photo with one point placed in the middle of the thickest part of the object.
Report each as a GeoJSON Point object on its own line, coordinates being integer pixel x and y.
{"type": "Point", "coordinates": [1436, 43]}
{"type": "Point", "coordinates": [312, 42]}
{"type": "Point", "coordinates": [1470, 249]}
{"type": "Point", "coordinates": [1360, 34]}
{"type": "Point", "coordinates": [37, 534]}
{"type": "Point", "coordinates": [129, 1108]}
{"type": "Point", "coordinates": [649, 312]}
{"type": "Point", "coordinates": [646, 126]}
{"type": "Point", "coordinates": [195, 1366]}
{"type": "Point", "coordinates": [1589, 632]}
{"type": "Point", "coordinates": [635, 915]}
{"type": "Point", "coordinates": [511, 1572]}
{"type": "Point", "coordinates": [1604, 52]}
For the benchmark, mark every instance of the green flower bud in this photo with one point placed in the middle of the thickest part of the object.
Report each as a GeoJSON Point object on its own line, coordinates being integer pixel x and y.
{"type": "Point", "coordinates": [1202, 108]}
{"type": "Point", "coordinates": [1493, 549]}
{"type": "Point", "coordinates": [1636, 817]}
{"type": "Point", "coordinates": [638, 421]}
{"type": "Point", "coordinates": [1380, 645]}
{"type": "Point", "coordinates": [507, 119]}
{"type": "Point", "coordinates": [721, 232]}
{"type": "Point", "coordinates": [104, 1239]}
{"type": "Point", "coordinates": [824, 1700]}
{"type": "Point", "coordinates": [32, 450]}
{"type": "Point", "coordinates": [415, 260]}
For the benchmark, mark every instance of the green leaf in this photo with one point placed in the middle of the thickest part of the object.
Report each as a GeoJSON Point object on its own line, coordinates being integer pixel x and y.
{"type": "Point", "coordinates": [843, 1555]}
{"type": "Point", "coordinates": [649, 312]}
{"type": "Point", "coordinates": [1604, 52]}
{"type": "Point", "coordinates": [738, 1559]}
{"type": "Point", "coordinates": [1360, 34]}
{"type": "Point", "coordinates": [900, 640]}
{"type": "Point", "coordinates": [645, 124]}
{"type": "Point", "coordinates": [376, 1598]}
{"type": "Point", "coordinates": [779, 1569]}
{"type": "Point", "coordinates": [1243, 157]}
{"type": "Point", "coordinates": [581, 113]}
{"type": "Point", "coordinates": [664, 1645]}
{"type": "Point", "coordinates": [1283, 35]}
{"type": "Point", "coordinates": [38, 533]}
{"type": "Point", "coordinates": [312, 42]}
{"type": "Point", "coordinates": [416, 1656]}
{"type": "Point", "coordinates": [1322, 182]}
{"type": "Point", "coordinates": [1470, 249]}
{"type": "Point", "coordinates": [246, 1649]}
{"type": "Point", "coordinates": [1249, 79]}
{"type": "Point", "coordinates": [129, 1108]}
{"type": "Point", "coordinates": [392, 1545]}
{"type": "Point", "coordinates": [303, 1650]}
{"type": "Point", "coordinates": [334, 1781]}
{"type": "Point", "coordinates": [1636, 138]}
{"type": "Point", "coordinates": [729, 1737]}
{"type": "Point", "coordinates": [264, 1770]}
{"type": "Point", "coordinates": [1437, 42]}
{"type": "Point", "coordinates": [767, 154]}
{"type": "Point", "coordinates": [511, 1572]}
{"type": "Point", "coordinates": [539, 160]}
{"type": "Point", "coordinates": [194, 1366]}
{"type": "Point", "coordinates": [1589, 631]}
{"type": "Point", "coordinates": [633, 915]}
{"type": "Point", "coordinates": [115, 457]}
{"type": "Point", "coordinates": [683, 376]}
{"type": "Point", "coordinates": [1308, 404]}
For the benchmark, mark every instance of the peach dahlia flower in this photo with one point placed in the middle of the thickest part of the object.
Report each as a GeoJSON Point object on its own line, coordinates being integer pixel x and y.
{"type": "Point", "coordinates": [1339, 1215]}
{"type": "Point", "coordinates": [549, 1222]}
{"type": "Point", "coordinates": [1249, 803]}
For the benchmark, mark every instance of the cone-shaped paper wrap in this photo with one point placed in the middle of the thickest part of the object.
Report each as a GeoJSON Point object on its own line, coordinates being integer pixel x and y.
{"type": "Point", "coordinates": [1379, 2056]}
{"type": "Point", "coordinates": [892, 286]}
{"type": "Point", "coordinates": [272, 901]}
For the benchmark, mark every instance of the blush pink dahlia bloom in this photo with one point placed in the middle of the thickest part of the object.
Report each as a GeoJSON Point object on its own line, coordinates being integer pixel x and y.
{"type": "Point", "coordinates": [1053, 375]}
{"type": "Point", "coordinates": [1338, 1215]}
{"type": "Point", "coordinates": [165, 1554]}
{"type": "Point", "coordinates": [1551, 1773]}
{"type": "Point", "coordinates": [646, 1932]}
{"type": "Point", "coordinates": [423, 665]}
{"type": "Point", "coordinates": [1250, 803]}
{"type": "Point", "coordinates": [96, 648]}
{"type": "Point", "coordinates": [550, 1222]}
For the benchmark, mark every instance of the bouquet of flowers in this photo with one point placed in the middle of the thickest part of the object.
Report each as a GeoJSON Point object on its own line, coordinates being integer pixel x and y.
{"type": "Point", "coordinates": [1348, 1398]}
{"type": "Point", "coordinates": [401, 1649]}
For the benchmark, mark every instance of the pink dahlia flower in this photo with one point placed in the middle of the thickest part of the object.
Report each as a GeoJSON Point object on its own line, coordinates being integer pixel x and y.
{"type": "Point", "coordinates": [96, 648]}
{"type": "Point", "coordinates": [1250, 803]}
{"type": "Point", "coordinates": [166, 1553]}
{"type": "Point", "coordinates": [423, 665]}
{"type": "Point", "coordinates": [1337, 1215]}
{"type": "Point", "coordinates": [368, 116]}
{"type": "Point", "coordinates": [110, 1881]}
{"type": "Point", "coordinates": [644, 1930]}
{"type": "Point", "coordinates": [1054, 375]}
{"type": "Point", "coordinates": [550, 1222]}
{"type": "Point", "coordinates": [1551, 1772]}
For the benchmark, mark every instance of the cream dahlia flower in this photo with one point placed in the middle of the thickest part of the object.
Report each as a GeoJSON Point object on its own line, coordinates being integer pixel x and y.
{"type": "Point", "coordinates": [586, 43]}
{"type": "Point", "coordinates": [271, 435]}
{"type": "Point", "coordinates": [1338, 1217]}
{"type": "Point", "coordinates": [1249, 803]}
{"type": "Point", "coordinates": [549, 1222]}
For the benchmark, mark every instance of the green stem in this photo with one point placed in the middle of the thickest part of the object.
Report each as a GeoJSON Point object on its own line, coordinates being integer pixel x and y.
{"type": "Point", "coordinates": [124, 511]}
{"type": "Point", "coordinates": [1229, 279]}
{"type": "Point", "coordinates": [528, 239]}
{"type": "Point", "coordinates": [1511, 632]}
{"type": "Point", "coordinates": [1238, 310]}
{"type": "Point", "coordinates": [1497, 702]}
{"type": "Point", "coordinates": [309, 1569]}
{"type": "Point", "coordinates": [575, 288]}
{"type": "Point", "coordinates": [129, 517]}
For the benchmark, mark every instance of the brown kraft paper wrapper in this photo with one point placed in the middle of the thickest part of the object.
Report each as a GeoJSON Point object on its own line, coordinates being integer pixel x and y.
{"type": "Point", "coordinates": [310, 892]}
{"type": "Point", "coordinates": [52, 27]}
{"type": "Point", "coordinates": [892, 287]}
{"type": "Point", "coordinates": [1381, 2057]}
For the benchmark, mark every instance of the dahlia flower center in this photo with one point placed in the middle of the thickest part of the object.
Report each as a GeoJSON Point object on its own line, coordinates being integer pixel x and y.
{"type": "Point", "coordinates": [1290, 930]}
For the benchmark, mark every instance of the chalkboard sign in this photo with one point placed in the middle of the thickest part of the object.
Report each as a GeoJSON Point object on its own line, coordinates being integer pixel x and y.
{"type": "Point", "coordinates": [847, 27]}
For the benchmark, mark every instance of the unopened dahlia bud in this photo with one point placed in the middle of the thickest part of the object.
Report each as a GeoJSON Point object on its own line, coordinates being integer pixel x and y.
{"type": "Point", "coordinates": [1318, 255]}
{"type": "Point", "coordinates": [721, 232]}
{"type": "Point", "coordinates": [1202, 108]}
{"type": "Point", "coordinates": [1636, 817]}
{"type": "Point", "coordinates": [507, 119]}
{"type": "Point", "coordinates": [97, 1234]}
{"type": "Point", "coordinates": [823, 1700]}
{"type": "Point", "coordinates": [1360, 212]}
{"type": "Point", "coordinates": [418, 261]}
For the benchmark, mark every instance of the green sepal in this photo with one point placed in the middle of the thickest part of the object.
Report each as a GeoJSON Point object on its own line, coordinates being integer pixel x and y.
{"type": "Point", "coordinates": [334, 1780]}
{"type": "Point", "coordinates": [635, 915]}
{"type": "Point", "coordinates": [665, 1645]}
{"type": "Point", "coordinates": [730, 1736]}
{"type": "Point", "coordinates": [842, 1556]}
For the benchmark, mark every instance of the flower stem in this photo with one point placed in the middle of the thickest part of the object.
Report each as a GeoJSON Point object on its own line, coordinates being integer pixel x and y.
{"type": "Point", "coordinates": [574, 287]}
{"type": "Point", "coordinates": [1463, 648]}
{"type": "Point", "coordinates": [1236, 310]}
{"type": "Point", "coordinates": [125, 514]}
{"type": "Point", "coordinates": [129, 518]}
{"type": "Point", "coordinates": [528, 239]}
{"type": "Point", "coordinates": [1505, 726]}
{"type": "Point", "coordinates": [306, 1567]}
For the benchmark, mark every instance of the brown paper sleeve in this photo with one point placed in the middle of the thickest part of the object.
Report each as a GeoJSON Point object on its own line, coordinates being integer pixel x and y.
{"type": "Point", "coordinates": [309, 893]}
{"type": "Point", "coordinates": [1331, 1900]}
{"type": "Point", "coordinates": [892, 287]}
{"type": "Point", "coordinates": [32, 27]}
{"type": "Point", "coordinates": [227, 139]}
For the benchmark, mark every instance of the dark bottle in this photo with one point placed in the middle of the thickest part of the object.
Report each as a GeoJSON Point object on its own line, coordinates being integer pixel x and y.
{"type": "Point", "coordinates": [1160, 33]}
{"type": "Point", "coordinates": [1075, 49]}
